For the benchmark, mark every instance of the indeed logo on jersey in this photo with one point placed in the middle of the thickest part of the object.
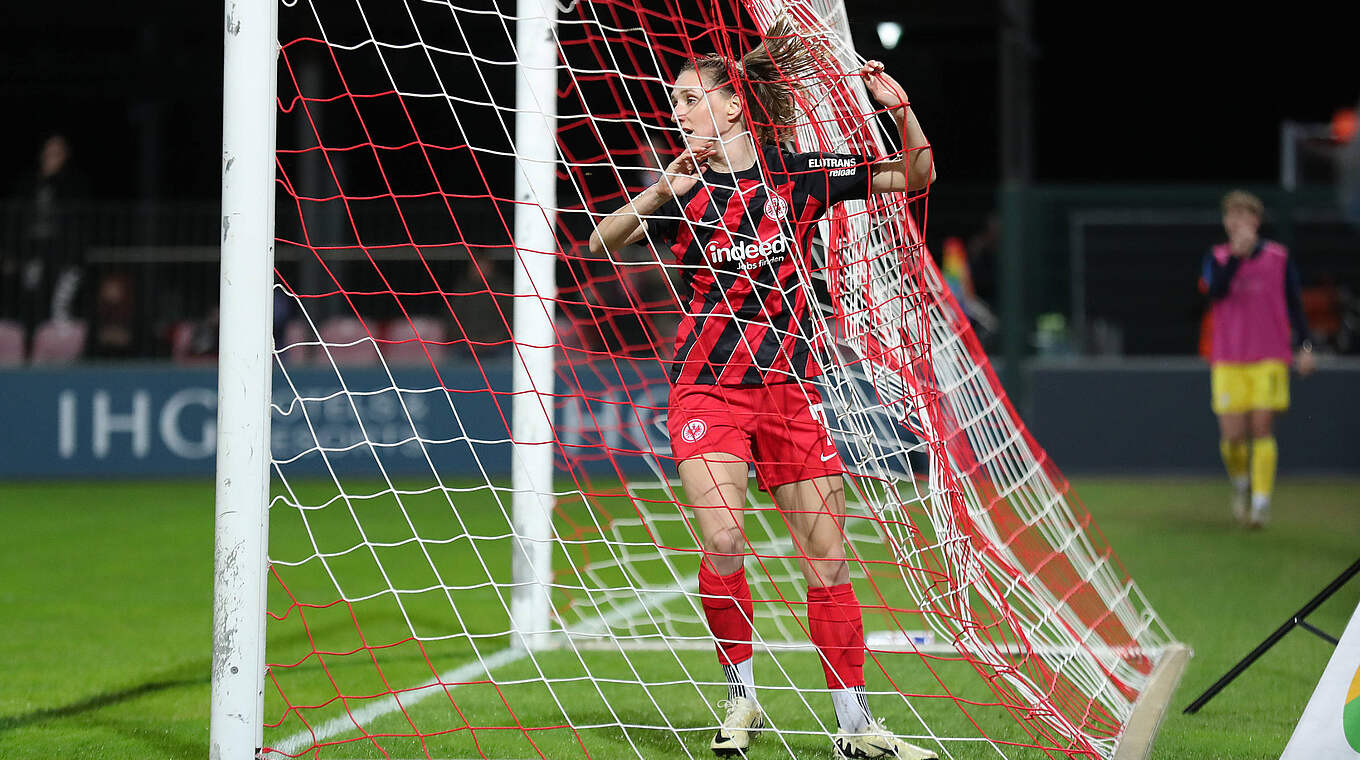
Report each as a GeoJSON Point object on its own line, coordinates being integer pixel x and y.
{"type": "Point", "coordinates": [842, 167]}
{"type": "Point", "coordinates": [747, 253]}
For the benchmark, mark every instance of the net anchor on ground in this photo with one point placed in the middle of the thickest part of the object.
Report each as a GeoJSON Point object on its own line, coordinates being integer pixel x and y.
{"type": "Point", "coordinates": [1148, 712]}
{"type": "Point", "coordinates": [1297, 619]}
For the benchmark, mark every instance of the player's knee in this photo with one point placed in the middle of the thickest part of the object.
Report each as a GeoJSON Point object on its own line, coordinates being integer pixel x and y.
{"type": "Point", "coordinates": [826, 573]}
{"type": "Point", "coordinates": [1262, 425]}
{"type": "Point", "coordinates": [826, 546]}
{"type": "Point", "coordinates": [726, 546]}
{"type": "Point", "coordinates": [1234, 433]}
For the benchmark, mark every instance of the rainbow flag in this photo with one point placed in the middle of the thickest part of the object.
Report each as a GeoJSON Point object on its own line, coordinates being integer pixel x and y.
{"type": "Point", "coordinates": [1350, 714]}
{"type": "Point", "coordinates": [1330, 726]}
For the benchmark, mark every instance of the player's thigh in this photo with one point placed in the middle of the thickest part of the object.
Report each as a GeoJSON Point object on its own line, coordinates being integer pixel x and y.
{"type": "Point", "coordinates": [1232, 427]}
{"type": "Point", "coordinates": [815, 512]}
{"type": "Point", "coordinates": [1230, 388]}
{"type": "Point", "coordinates": [715, 488]}
{"type": "Point", "coordinates": [1269, 386]}
{"type": "Point", "coordinates": [1261, 423]}
{"type": "Point", "coordinates": [706, 425]}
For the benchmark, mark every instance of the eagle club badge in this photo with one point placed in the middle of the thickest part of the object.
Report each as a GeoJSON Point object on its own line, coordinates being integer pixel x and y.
{"type": "Point", "coordinates": [776, 208]}
{"type": "Point", "coordinates": [693, 430]}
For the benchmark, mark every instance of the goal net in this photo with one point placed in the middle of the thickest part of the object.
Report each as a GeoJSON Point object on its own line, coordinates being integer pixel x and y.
{"type": "Point", "coordinates": [478, 546]}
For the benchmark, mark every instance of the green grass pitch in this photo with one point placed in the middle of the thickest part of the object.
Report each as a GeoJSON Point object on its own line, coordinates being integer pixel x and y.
{"type": "Point", "coordinates": [106, 613]}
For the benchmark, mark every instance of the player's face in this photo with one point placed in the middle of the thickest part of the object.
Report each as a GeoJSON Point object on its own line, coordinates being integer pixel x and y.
{"type": "Point", "coordinates": [1241, 222]}
{"type": "Point", "coordinates": [700, 112]}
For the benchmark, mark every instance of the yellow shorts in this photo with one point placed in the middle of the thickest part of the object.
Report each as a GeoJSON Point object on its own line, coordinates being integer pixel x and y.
{"type": "Point", "coordinates": [1239, 388]}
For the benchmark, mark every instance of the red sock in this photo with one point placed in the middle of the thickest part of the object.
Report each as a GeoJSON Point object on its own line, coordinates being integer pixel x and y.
{"type": "Point", "coordinates": [727, 605]}
{"type": "Point", "coordinates": [836, 629]}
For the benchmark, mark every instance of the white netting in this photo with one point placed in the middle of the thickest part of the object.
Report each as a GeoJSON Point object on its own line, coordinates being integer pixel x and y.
{"type": "Point", "coordinates": [999, 622]}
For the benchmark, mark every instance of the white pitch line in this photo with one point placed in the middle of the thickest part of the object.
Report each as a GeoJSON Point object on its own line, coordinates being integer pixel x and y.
{"type": "Point", "coordinates": [378, 708]}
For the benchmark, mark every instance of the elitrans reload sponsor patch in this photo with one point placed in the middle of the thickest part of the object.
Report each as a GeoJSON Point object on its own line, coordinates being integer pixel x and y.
{"type": "Point", "coordinates": [840, 167]}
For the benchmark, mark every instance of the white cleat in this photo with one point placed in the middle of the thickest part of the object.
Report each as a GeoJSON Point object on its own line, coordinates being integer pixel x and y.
{"type": "Point", "coordinates": [877, 741]}
{"type": "Point", "coordinates": [734, 735]}
{"type": "Point", "coordinates": [1260, 514]}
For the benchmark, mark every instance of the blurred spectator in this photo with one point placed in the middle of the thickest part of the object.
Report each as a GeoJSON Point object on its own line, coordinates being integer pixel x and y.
{"type": "Point", "coordinates": [115, 316]}
{"type": "Point", "coordinates": [982, 255]}
{"type": "Point", "coordinates": [43, 279]}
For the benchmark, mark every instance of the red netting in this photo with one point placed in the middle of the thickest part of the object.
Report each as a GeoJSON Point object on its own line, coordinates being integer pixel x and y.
{"type": "Point", "coordinates": [995, 611]}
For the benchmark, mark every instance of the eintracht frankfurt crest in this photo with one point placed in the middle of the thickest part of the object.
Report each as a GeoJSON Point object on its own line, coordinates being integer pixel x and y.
{"type": "Point", "coordinates": [775, 207]}
{"type": "Point", "coordinates": [693, 430]}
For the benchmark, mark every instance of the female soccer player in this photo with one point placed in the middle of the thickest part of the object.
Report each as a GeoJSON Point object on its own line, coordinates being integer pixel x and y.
{"type": "Point", "coordinates": [1256, 304]}
{"type": "Point", "coordinates": [739, 212]}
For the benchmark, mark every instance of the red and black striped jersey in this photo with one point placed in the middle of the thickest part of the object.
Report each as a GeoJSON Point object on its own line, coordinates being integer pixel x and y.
{"type": "Point", "coordinates": [740, 240]}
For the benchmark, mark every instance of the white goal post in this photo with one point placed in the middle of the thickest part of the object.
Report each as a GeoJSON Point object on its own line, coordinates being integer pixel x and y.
{"type": "Point", "coordinates": [245, 366]}
{"type": "Point", "coordinates": [535, 291]}
{"type": "Point", "coordinates": [246, 357]}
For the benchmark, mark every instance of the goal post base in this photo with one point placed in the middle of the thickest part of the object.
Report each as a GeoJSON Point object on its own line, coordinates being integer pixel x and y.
{"type": "Point", "coordinates": [1143, 724]}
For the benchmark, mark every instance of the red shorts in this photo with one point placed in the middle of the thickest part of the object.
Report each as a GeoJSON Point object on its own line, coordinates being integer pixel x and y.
{"type": "Point", "coordinates": [780, 428]}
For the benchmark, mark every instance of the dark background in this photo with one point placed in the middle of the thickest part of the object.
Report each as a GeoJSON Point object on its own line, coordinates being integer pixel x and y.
{"type": "Point", "coordinates": [1122, 92]}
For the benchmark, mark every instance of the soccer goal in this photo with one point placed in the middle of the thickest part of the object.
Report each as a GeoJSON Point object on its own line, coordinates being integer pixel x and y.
{"type": "Point", "coordinates": [448, 520]}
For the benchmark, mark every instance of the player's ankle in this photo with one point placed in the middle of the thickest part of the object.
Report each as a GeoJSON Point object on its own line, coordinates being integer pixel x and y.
{"type": "Point", "coordinates": [852, 709]}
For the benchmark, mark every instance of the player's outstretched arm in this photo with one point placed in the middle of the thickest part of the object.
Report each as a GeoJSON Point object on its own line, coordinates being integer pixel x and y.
{"type": "Point", "coordinates": [916, 169]}
{"type": "Point", "coordinates": [627, 225]}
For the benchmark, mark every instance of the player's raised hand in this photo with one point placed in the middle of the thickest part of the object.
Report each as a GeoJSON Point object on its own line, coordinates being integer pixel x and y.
{"type": "Point", "coordinates": [1242, 237]}
{"type": "Point", "coordinates": [882, 87]}
{"type": "Point", "coordinates": [682, 173]}
{"type": "Point", "coordinates": [1241, 245]}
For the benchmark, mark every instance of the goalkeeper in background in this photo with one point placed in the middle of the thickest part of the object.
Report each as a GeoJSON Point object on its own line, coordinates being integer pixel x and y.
{"type": "Point", "coordinates": [1256, 305]}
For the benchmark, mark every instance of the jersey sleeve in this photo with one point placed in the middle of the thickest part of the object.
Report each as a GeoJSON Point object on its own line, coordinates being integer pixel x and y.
{"type": "Point", "coordinates": [664, 223]}
{"type": "Point", "coordinates": [833, 177]}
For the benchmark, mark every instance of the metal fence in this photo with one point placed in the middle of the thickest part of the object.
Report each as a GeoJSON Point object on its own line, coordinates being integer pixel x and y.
{"type": "Point", "coordinates": [1102, 270]}
{"type": "Point", "coordinates": [107, 280]}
